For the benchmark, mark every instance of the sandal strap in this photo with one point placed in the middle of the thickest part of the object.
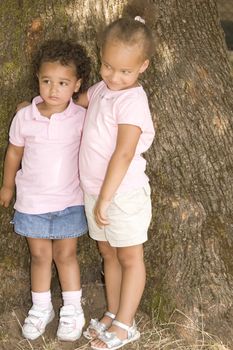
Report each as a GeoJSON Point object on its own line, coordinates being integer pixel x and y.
{"type": "Point", "coordinates": [109, 314]}
{"type": "Point", "coordinates": [96, 325]}
{"type": "Point", "coordinates": [113, 342]}
{"type": "Point", "coordinates": [121, 325]}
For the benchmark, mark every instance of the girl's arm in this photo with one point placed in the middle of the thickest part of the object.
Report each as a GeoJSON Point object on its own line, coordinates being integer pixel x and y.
{"type": "Point", "coordinates": [82, 100]}
{"type": "Point", "coordinates": [13, 158]}
{"type": "Point", "coordinates": [127, 140]}
{"type": "Point", "coordinates": [22, 105]}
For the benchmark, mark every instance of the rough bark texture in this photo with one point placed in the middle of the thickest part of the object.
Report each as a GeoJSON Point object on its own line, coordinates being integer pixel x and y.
{"type": "Point", "coordinates": [191, 170]}
{"type": "Point", "coordinates": [189, 254]}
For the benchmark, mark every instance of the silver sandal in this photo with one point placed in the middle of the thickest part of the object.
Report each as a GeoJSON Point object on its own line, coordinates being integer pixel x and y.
{"type": "Point", "coordinates": [97, 327]}
{"type": "Point", "coordinates": [113, 342]}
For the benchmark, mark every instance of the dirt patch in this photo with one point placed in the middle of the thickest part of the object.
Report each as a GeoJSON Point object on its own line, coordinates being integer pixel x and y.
{"type": "Point", "coordinates": [153, 335]}
{"type": "Point", "coordinates": [94, 306]}
{"type": "Point", "coordinates": [10, 329]}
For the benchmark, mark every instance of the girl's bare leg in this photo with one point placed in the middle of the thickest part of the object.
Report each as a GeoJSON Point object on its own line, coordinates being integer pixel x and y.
{"type": "Point", "coordinates": [112, 275]}
{"type": "Point", "coordinates": [41, 263]}
{"type": "Point", "coordinates": [133, 282]}
{"type": "Point", "coordinates": [65, 258]}
{"type": "Point", "coordinates": [132, 286]}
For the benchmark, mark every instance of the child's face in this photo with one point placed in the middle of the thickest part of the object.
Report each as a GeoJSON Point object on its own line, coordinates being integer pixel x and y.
{"type": "Point", "coordinates": [121, 65]}
{"type": "Point", "coordinates": [57, 84]}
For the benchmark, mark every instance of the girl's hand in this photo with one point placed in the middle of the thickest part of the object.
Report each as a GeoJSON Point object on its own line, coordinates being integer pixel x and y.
{"type": "Point", "coordinates": [100, 212]}
{"type": "Point", "coordinates": [22, 105]}
{"type": "Point", "coordinates": [6, 195]}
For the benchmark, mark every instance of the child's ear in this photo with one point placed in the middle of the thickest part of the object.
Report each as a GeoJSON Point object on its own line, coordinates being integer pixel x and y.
{"type": "Point", "coordinates": [144, 66]}
{"type": "Point", "coordinates": [78, 84]}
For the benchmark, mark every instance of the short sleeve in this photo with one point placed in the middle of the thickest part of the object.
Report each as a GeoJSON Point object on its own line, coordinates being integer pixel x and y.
{"type": "Point", "coordinates": [15, 134]}
{"type": "Point", "coordinates": [134, 110]}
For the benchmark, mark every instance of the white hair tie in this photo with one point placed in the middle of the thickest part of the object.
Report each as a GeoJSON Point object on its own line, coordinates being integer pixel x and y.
{"type": "Point", "coordinates": [140, 19]}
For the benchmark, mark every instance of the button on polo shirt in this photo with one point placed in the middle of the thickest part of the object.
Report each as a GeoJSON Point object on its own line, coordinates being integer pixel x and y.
{"type": "Point", "coordinates": [49, 176]}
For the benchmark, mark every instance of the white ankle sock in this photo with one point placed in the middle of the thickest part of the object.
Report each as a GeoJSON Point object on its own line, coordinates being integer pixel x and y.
{"type": "Point", "coordinates": [72, 298]}
{"type": "Point", "coordinates": [42, 299]}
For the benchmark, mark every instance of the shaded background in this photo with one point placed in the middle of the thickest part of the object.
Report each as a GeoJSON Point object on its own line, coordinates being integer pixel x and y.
{"type": "Point", "coordinates": [16, 84]}
{"type": "Point", "coordinates": [14, 267]}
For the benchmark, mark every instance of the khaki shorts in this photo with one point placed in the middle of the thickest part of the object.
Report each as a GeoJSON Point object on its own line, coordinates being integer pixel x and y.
{"type": "Point", "coordinates": [129, 215]}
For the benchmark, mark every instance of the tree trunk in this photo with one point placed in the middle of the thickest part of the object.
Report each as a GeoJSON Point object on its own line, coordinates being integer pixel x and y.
{"type": "Point", "coordinates": [189, 85]}
{"type": "Point", "coordinates": [189, 254]}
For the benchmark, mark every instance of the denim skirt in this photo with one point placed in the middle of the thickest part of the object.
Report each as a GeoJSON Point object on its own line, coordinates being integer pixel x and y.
{"type": "Point", "coordinates": [68, 223]}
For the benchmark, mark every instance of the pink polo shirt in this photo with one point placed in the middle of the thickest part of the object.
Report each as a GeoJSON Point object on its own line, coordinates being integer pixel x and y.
{"type": "Point", "coordinates": [48, 180]}
{"type": "Point", "coordinates": [106, 110]}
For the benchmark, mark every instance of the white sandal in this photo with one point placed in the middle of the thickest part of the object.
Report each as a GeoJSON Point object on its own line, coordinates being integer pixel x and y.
{"type": "Point", "coordinates": [97, 327]}
{"type": "Point", "coordinates": [113, 342]}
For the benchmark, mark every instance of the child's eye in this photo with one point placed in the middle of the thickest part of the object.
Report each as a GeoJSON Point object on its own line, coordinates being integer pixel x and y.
{"type": "Point", "coordinates": [46, 81]}
{"type": "Point", "coordinates": [63, 83]}
{"type": "Point", "coordinates": [107, 66]}
{"type": "Point", "coordinates": [126, 72]}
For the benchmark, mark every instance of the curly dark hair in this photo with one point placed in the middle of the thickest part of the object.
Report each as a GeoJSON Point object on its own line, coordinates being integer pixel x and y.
{"type": "Point", "coordinates": [65, 52]}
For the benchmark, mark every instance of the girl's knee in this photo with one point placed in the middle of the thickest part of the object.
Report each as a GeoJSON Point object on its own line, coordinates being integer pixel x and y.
{"type": "Point", "coordinates": [40, 257]}
{"type": "Point", "coordinates": [66, 256]}
{"type": "Point", "coordinates": [65, 251]}
{"type": "Point", "coordinates": [40, 250]}
{"type": "Point", "coordinates": [107, 251]}
{"type": "Point", "coordinates": [130, 256]}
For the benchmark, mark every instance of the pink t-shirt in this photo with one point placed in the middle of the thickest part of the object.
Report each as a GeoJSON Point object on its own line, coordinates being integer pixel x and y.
{"type": "Point", "coordinates": [48, 180]}
{"type": "Point", "coordinates": [106, 110]}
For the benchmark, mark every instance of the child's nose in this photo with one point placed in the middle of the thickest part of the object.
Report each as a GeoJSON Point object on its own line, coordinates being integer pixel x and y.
{"type": "Point", "coordinates": [114, 76]}
{"type": "Point", "coordinates": [53, 88]}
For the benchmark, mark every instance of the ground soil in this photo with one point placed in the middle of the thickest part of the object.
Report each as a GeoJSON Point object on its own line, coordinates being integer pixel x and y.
{"type": "Point", "coordinates": [94, 306]}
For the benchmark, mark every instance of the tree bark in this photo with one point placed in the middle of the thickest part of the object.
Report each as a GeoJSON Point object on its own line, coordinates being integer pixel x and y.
{"type": "Point", "coordinates": [190, 88]}
{"type": "Point", "coordinates": [191, 171]}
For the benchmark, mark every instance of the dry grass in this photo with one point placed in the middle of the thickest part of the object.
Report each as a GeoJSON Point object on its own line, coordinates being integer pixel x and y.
{"type": "Point", "coordinates": [153, 337]}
